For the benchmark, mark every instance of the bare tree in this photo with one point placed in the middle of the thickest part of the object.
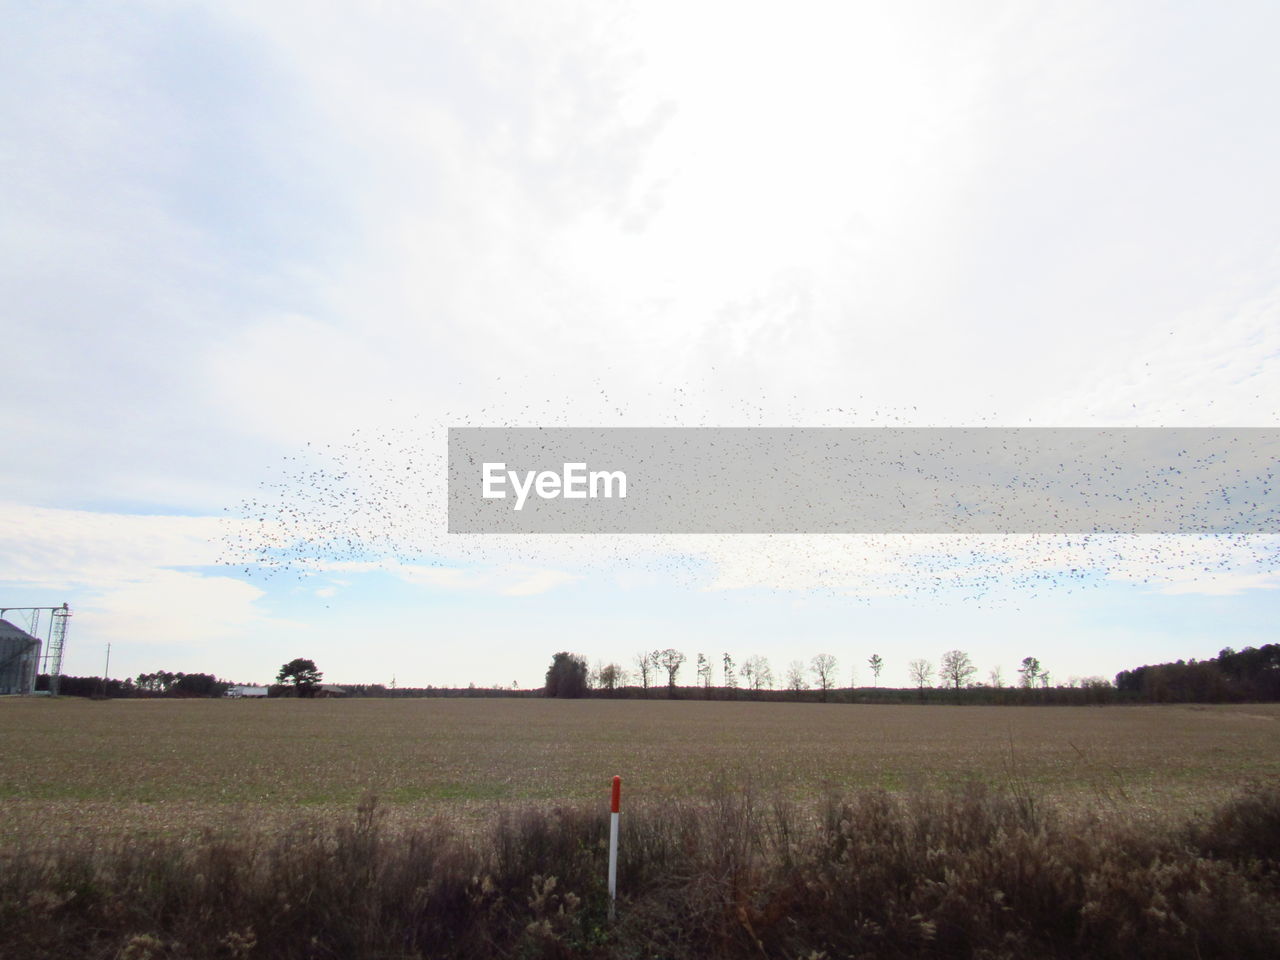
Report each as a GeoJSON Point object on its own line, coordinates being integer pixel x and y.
{"type": "Point", "coordinates": [730, 677]}
{"type": "Point", "coordinates": [704, 674]}
{"type": "Point", "coordinates": [996, 676]}
{"type": "Point", "coordinates": [921, 672]}
{"type": "Point", "coordinates": [824, 669]}
{"type": "Point", "coordinates": [763, 678]}
{"type": "Point", "coordinates": [671, 660]}
{"type": "Point", "coordinates": [957, 668]}
{"type": "Point", "coordinates": [876, 663]}
{"type": "Point", "coordinates": [758, 674]}
{"type": "Point", "coordinates": [646, 670]}
{"type": "Point", "coordinates": [795, 677]}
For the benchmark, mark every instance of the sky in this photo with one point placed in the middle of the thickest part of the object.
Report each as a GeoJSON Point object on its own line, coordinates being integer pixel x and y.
{"type": "Point", "coordinates": [249, 252]}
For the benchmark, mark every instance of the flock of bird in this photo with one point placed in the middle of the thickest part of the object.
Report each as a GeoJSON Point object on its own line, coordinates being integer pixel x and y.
{"type": "Point", "coordinates": [378, 500]}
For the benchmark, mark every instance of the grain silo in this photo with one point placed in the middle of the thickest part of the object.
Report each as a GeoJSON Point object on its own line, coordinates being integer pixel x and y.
{"type": "Point", "coordinates": [19, 659]}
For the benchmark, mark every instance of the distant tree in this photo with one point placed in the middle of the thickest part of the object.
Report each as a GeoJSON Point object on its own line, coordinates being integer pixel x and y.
{"type": "Point", "coordinates": [764, 674]}
{"type": "Point", "coordinates": [162, 681]}
{"type": "Point", "coordinates": [957, 668]}
{"type": "Point", "coordinates": [672, 660]}
{"type": "Point", "coordinates": [730, 676]}
{"type": "Point", "coordinates": [704, 674]}
{"type": "Point", "coordinates": [824, 671]}
{"type": "Point", "coordinates": [758, 673]}
{"type": "Point", "coordinates": [1030, 671]}
{"type": "Point", "coordinates": [920, 672]}
{"type": "Point", "coordinates": [876, 663]}
{"type": "Point", "coordinates": [795, 677]}
{"type": "Point", "coordinates": [302, 674]}
{"type": "Point", "coordinates": [567, 676]}
{"type": "Point", "coordinates": [201, 685]}
{"type": "Point", "coordinates": [996, 676]}
{"type": "Point", "coordinates": [95, 687]}
{"type": "Point", "coordinates": [610, 676]}
{"type": "Point", "coordinates": [645, 669]}
{"type": "Point", "coordinates": [183, 684]}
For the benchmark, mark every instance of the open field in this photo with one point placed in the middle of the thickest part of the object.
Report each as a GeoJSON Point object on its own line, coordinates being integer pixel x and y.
{"type": "Point", "coordinates": [172, 766]}
{"type": "Point", "coordinates": [749, 829]}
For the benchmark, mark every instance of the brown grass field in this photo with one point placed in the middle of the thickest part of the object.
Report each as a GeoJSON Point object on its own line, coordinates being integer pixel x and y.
{"type": "Point", "coordinates": [177, 766]}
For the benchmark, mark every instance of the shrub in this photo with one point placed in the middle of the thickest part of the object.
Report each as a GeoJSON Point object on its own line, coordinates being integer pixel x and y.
{"type": "Point", "coordinates": [973, 873]}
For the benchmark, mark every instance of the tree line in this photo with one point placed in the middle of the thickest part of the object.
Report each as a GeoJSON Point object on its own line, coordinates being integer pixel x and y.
{"type": "Point", "coordinates": [162, 683]}
{"type": "Point", "coordinates": [1251, 674]}
{"type": "Point", "coordinates": [657, 672]}
{"type": "Point", "coordinates": [1232, 676]}
{"type": "Point", "coordinates": [297, 678]}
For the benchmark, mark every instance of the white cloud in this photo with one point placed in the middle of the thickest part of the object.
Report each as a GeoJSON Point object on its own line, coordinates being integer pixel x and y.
{"type": "Point", "coordinates": [66, 548]}
{"type": "Point", "coordinates": [497, 578]}
{"type": "Point", "coordinates": [865, 208]}
{"type": "Point", "coordinates": [173, 608]}
{"type": "Point", "coordinates": [531, 582]}
{"type": "Point", "coordinates": [1224, 584]}
{"type": "Point", "coordinates": [898, 565]}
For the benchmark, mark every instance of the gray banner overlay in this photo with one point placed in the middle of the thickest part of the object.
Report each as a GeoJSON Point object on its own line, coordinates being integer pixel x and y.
{"type": "Point", "coordinates": [864, 480]}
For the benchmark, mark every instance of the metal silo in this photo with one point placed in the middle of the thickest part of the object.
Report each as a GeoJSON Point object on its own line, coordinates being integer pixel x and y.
{"type": "Point", "coordinates": [19, 659]}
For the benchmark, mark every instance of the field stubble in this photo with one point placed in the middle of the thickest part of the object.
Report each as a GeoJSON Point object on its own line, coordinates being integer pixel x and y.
{"type": "Point", "coordinates": [174, 767]}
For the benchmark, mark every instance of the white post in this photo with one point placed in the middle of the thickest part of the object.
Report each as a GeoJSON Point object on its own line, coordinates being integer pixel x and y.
{"type": "Point", "coordinates": [613, 844]}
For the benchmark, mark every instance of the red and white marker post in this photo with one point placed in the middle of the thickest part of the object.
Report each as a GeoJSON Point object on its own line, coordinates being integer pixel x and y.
{"type": "Point", "coordinates": [613, 843]}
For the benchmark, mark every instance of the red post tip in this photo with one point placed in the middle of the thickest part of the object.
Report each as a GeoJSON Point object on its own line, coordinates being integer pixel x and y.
{"type": "Point", "coordinates": [617, 793]}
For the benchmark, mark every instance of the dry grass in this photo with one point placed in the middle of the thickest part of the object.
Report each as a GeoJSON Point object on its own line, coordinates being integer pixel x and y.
{"type": "Point", "coordinates": [936, 874]}
{"type": "Point", "coordinates": [177, 766]}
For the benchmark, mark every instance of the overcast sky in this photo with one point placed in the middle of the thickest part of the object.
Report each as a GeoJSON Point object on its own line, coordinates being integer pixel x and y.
{"type": "Point", "coordinates": [244, 242]}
